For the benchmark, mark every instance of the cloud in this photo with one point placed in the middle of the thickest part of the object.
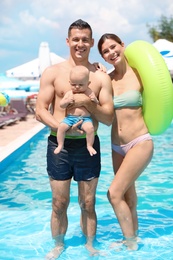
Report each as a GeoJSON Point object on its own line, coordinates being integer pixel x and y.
{"type": "Point", "coordinates": [41, 23]}
{"type": "Point", "coordinates": [25, 24]}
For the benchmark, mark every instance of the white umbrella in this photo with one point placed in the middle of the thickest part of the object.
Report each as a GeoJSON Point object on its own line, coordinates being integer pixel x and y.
{"type": "Point", "coordinates": [166, 50]}
{"type": "Point", "coordinates": [33, 69]}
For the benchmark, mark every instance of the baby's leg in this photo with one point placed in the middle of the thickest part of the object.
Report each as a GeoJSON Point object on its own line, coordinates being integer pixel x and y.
{"type": "Point", "coordinates": [89, 130]}
{"type": "Point", "coordinates": [60, 136]}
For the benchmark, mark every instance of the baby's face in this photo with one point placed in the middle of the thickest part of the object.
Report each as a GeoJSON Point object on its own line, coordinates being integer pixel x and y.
{"type": "Point", "coordinates": [78, 86]}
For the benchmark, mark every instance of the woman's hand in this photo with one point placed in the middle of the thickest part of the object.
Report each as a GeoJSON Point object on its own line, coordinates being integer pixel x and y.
{"type": "Point", "coordinates": [99, 66]}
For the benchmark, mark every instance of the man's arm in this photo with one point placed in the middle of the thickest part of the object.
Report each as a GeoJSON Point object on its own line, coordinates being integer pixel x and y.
{"type": "Point", "coordinates": [67, 99]}
{"type": "Point", "coordinates": [104, 111]}
{"type": "Point", "coordinates": [44, 99]}
{"type": "Point", "coordinates": [91, 95]}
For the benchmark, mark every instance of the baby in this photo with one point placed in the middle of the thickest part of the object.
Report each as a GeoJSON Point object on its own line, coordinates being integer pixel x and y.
{"type": "Point", "coordinates": [79, 81]}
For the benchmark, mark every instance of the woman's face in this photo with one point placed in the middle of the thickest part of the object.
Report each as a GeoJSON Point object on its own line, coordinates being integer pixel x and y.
{"type": "Point", "coordinates": [112, 51]}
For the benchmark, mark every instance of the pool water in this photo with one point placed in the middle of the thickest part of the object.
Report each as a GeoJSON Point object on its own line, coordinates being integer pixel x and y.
{"type": "Point", "coordinates": [25, 206]}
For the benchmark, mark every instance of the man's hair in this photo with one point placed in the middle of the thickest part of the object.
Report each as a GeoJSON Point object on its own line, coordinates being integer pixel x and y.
{"type": "Point", "coordinates": [79, 24]}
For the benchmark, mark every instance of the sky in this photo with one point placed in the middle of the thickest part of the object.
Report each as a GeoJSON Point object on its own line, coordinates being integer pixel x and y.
{"type": "Point", "coordinates": [24, 24]}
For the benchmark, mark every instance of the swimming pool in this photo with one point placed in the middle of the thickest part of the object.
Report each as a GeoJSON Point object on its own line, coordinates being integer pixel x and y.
{"type": "Point", "coordinates": [25, 206]}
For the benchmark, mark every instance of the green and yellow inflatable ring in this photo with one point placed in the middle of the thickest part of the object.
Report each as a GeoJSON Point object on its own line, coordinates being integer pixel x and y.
{"type": "Point", "coordinates": [157, 84]}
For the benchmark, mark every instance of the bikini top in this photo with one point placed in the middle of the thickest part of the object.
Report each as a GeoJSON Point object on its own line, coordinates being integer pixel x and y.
{"type": "Point", "coordinates": [130, 98]}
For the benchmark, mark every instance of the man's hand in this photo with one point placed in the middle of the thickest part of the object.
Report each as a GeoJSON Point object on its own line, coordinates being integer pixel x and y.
{"type": "Point", "coordinates": [93, 98]}
{"type": "Point", "coordinates": [71, 99]}
{"type": "Point", "coordinates": [80, 100]}
{"type": "Point", "coordinates": [74, 130]}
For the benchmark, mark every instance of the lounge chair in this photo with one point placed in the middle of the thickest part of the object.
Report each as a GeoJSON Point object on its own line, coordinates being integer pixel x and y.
{"type": "Point", "coordinates": [8, 119]}
{"type": "Point", "coordinates": [2, 123]}
{"type": "Point", "coordinates": [19, 108]}
{"type": "Point", "coordinates": [31, 103]}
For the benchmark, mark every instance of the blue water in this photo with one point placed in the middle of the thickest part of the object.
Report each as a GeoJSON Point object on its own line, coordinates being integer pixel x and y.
{"type": "Point", "coordinates": [25, 206]}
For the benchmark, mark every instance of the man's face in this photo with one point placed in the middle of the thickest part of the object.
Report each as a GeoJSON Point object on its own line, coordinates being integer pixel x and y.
{"type": "Point", "coordinates": [80, 42]}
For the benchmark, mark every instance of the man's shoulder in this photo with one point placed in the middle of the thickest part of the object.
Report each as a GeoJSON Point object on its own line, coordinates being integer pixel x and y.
{"type": "Point", "coordinates": [58, 66]}
{"type": "Point", "coordinates": [55, 71]}
{"type": "Point", "coordinates": [100, 75]}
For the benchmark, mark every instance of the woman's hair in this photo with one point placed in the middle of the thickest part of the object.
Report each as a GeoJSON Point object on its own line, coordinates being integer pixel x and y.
{"type": "Point", "coordinates": [79, 24]}
{"type": "Point", "coordinates": [107, 36]}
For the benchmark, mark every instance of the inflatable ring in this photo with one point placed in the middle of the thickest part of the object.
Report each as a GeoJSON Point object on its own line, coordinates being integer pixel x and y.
{"type": "Point", "coordinates": [158, 88]}
{"type": "Point", "coordinates": [4, 99]}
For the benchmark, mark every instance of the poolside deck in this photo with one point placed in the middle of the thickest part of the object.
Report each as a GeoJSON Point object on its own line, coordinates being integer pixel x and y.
{"type": "Point", "coordinates": [13, 136]}
{"type": "Point", "coordinates": [11, 132]}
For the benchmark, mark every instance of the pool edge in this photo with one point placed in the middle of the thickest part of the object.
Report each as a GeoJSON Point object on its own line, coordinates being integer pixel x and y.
{"type": "Point", "coordinates": [14, 146]}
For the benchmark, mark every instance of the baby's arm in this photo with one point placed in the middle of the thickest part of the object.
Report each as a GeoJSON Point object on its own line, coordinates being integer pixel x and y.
{"type": "Point", "coordinates": [67, 99]}
{"type": "Point", "coordinates": [91, 95]}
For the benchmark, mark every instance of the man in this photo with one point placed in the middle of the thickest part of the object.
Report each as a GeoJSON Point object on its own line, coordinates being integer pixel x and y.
{"type": "Point", "coordinates": [74, 160]}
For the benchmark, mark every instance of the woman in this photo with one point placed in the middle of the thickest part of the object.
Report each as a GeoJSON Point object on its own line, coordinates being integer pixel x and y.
{"type": "Point", "coordinates": [132, 145]}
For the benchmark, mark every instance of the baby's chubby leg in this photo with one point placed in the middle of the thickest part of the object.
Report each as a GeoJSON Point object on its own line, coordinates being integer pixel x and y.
{"type": "Point", "coordinates": [89, 130]}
